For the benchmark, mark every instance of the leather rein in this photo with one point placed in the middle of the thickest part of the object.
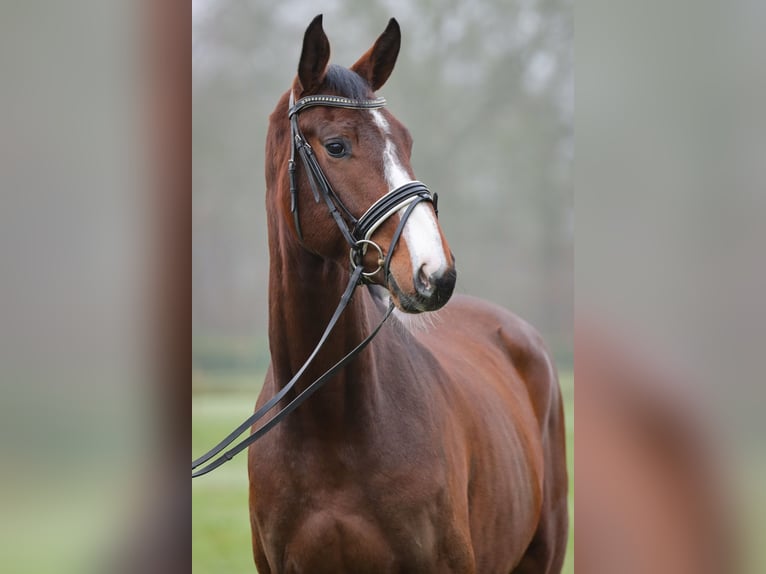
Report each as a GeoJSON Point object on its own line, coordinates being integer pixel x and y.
{"type": "Point", "coordinates": [358, 233]}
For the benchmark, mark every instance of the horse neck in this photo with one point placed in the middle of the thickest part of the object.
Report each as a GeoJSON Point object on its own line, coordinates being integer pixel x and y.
{"type": "Point", "coordinates": [304, 291]}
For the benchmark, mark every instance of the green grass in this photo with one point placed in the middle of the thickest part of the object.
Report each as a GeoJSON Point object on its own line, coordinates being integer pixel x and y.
{"type": "Point", "coordinates": [220, 526]}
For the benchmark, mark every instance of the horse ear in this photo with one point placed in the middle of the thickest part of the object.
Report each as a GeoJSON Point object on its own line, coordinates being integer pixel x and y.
{"type": "Point", "coordinates": [314, 57]}
{"type": "Point", "coordinates": [378, 62]}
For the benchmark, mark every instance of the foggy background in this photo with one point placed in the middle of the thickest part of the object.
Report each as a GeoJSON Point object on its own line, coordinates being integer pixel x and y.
{"type": "Point", "coordinates": [485, 88]}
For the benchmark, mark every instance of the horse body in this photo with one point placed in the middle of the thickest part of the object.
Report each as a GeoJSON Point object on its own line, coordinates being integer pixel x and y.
{"type": "Point", "coordinates": [425, 455]}
{"type": "Point", "coordinates": [435, 450]}
{"type": "Point", "coordinates": [504, 395]}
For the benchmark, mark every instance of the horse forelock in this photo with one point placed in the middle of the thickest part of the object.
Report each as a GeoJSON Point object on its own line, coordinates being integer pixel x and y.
{"type": "Point", "coordinates": [347, 83]}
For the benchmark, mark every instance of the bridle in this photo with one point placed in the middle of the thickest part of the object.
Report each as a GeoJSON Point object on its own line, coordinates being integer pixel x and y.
{"type": "Point", "coordinates": [358, 233]}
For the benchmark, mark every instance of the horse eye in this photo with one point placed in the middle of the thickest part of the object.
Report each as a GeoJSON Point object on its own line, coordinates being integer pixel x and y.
{"type": "Point", "coordinates": [335, 149]}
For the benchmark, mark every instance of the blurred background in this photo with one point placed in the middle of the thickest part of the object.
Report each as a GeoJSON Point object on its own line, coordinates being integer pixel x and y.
{"type": "Point", "coordinates": [486, 89]}
{"type": "Point", "coordinates": [670, 277]}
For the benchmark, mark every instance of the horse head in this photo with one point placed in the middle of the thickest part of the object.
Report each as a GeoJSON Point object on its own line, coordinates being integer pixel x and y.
{"type": "Point", "coordinates": [362, 152]}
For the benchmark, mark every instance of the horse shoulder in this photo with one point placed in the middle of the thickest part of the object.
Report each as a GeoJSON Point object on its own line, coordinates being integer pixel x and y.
{"type": "Point", "coordinates": [520, 343]}
{"type": "Point", "coordinates": [532, 358]}
{"type": "Point", "coordinates": [501, 383]}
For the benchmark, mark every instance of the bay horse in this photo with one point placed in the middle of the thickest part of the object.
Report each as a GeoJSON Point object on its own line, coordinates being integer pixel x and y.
{"type": "Point", "coordinates": [436, 449]}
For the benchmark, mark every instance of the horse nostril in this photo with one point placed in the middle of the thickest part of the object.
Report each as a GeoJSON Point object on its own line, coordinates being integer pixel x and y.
{"type": "Point", "coordinates": [433, 290]}
{"type": "Point", "coordinates": [424, 278]}
{"type": "Point", "coordinates": [423, 282]}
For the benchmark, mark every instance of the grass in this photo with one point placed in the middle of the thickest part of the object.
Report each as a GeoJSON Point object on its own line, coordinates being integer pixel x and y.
{"type": "Point", "coordinates": [220, 526]}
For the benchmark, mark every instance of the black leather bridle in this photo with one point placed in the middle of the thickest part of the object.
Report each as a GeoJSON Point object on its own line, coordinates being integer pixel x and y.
{"type": "Point", "coordinates": [358, 234]}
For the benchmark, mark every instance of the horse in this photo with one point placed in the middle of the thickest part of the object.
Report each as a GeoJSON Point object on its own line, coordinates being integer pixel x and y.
{"type": "Point", "coordinates": [438, 448]}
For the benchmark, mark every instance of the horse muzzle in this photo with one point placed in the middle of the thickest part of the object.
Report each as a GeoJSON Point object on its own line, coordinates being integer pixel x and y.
{"type": "Point", "coordinates": [430, 292]}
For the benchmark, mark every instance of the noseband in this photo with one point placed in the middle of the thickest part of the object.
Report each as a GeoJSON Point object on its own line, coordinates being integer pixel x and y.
{"type": "Point", "coordinates": [358, 234]}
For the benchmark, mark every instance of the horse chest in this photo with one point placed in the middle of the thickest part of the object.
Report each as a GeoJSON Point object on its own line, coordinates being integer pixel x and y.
{"type": "Point", "coordinates": [337, 539]}
{"type": "Point", "coordinates": [323, 516]}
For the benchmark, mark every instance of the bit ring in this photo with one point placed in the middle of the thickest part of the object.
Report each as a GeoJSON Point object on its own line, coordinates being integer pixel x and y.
{"type": "Point", "coordinates": [360, 248]}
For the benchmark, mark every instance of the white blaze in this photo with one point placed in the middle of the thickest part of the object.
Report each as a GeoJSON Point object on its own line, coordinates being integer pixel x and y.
{"type": "Point", "coordinates": [421, 232]}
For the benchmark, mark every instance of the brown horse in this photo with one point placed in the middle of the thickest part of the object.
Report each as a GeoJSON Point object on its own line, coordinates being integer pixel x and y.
{"type": "Point", "coordinates": [437, 449]}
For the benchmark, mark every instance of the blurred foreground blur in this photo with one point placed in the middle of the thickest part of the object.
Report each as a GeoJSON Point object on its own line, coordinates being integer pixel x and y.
{"type": "Point", "coordinates": [669, 313]}
{"type": "Point", "coordinates": [94, 287]}
{"type": "Point", "coordinates": [652, 490]}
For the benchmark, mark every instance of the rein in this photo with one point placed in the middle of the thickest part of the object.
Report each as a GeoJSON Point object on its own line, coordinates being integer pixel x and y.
{"type": "Point", "coordinates": [297, 401]}
{"type": "Point", "coordinates": [358, 234]}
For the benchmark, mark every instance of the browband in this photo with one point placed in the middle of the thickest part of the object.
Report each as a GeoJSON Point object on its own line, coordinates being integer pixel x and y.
{"type": "Point", "coordinates": [333, 102]}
